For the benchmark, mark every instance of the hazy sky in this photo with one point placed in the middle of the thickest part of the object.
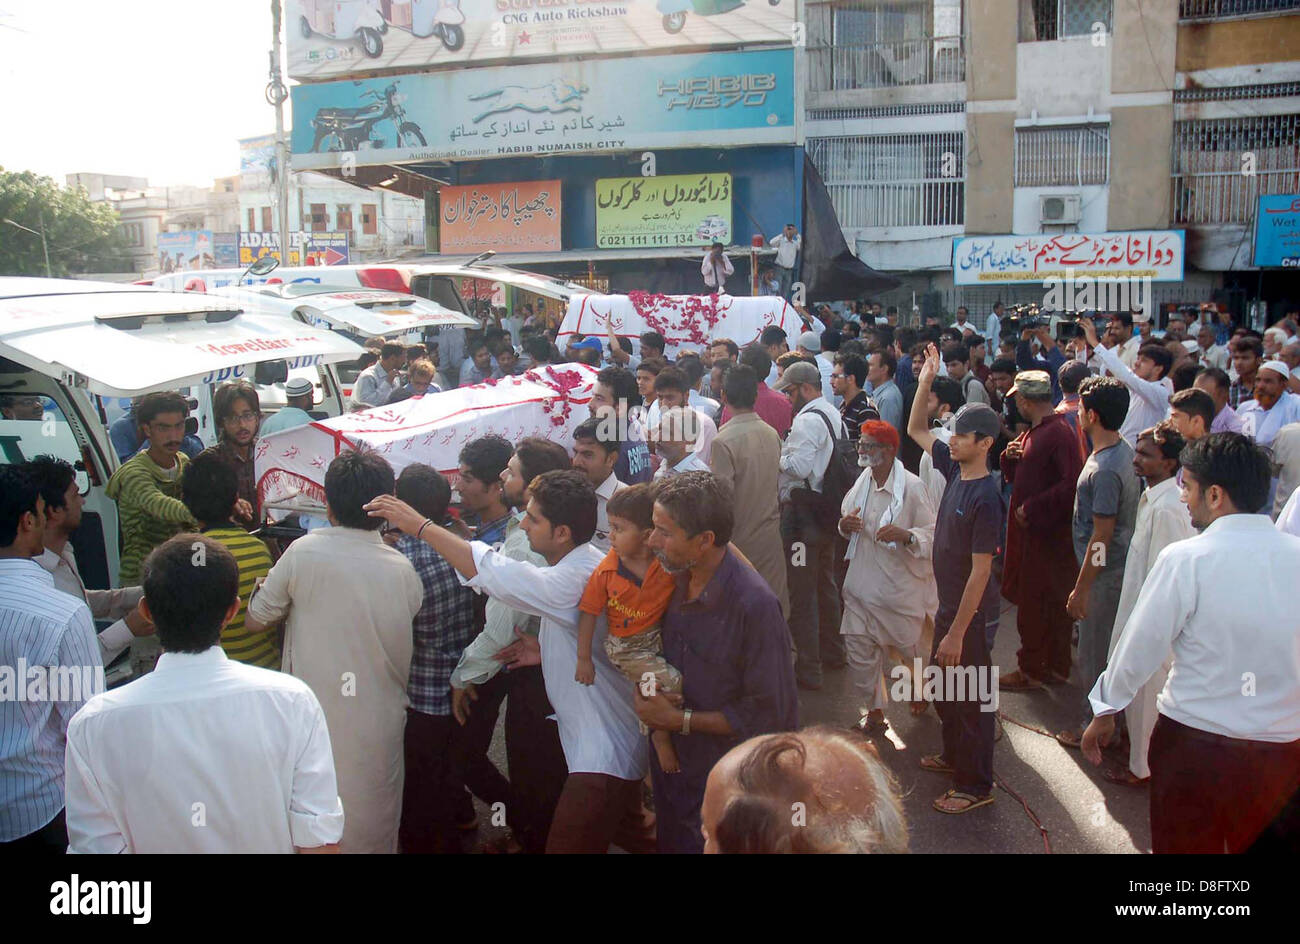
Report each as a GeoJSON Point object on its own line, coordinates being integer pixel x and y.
{"type": "Point", "coordinates": [150, 88]}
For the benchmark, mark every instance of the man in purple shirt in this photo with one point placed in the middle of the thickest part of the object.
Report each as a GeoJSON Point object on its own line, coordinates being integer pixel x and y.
{"type": "Point", "coordinates": [1217, 384]}
{"type": "Point", "coordinates": [772, 408]}
{"type": "Point", "coordinates": [724, 631]}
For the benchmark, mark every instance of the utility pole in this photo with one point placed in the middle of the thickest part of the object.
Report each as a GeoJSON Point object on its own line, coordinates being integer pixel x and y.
{"type": "Point", "coordinates": [45, 247]}
{"type": "Point", "coordinates": [276, 93]}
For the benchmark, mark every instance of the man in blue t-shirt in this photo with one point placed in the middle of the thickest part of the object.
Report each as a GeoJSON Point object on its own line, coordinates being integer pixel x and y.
{"type": "Point", "coordinates": [612, 396]}
{"type": "Point", "coordinates": [967, 535]}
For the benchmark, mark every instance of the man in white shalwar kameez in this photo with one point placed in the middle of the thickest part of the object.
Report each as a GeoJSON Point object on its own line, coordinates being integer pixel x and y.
{"type": "Point", "coordinates": [888, 517]}
{"type": "Point", "coordinates": [1162, 519]}
{"type": "Point", "coordinates": [348, 601]}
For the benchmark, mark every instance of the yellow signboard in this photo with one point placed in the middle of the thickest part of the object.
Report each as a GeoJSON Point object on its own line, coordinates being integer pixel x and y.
{"type": "Point", "coordinates": [647, 212]}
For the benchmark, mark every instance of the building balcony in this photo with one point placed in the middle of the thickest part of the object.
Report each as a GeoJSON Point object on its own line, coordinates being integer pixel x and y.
{"type": "Point", "coordinates": [1219, 9]}
{"type": "Point", "coordinates": [926, 60]}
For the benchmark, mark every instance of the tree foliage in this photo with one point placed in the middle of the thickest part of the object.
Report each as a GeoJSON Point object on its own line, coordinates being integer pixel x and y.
{"type": "Point", "coordinates": [82, 236]}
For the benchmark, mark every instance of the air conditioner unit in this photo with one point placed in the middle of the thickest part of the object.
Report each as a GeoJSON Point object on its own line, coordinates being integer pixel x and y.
{"type": "Point", "coordinates": [1059, 209]}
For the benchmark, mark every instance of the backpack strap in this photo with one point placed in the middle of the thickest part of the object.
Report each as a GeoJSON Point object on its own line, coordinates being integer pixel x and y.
{"type": "Point", "coordinates": [834, 439]}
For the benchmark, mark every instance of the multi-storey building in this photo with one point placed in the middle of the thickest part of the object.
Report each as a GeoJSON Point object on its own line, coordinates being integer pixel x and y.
{"type": "Point", "coordinates": [935, 119]}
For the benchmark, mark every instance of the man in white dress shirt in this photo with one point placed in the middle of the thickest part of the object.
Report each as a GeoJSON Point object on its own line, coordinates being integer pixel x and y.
{"type": "Point", "coordinates": [204, 754]}
{"type": "Point", "coordinates": [993, 328]}
{"type": "Point", "coordinates": [810, 345]}
{"type": "Point", "coordinates": [595, 453]}
{"type": "Point", "coordinates": [1225, 752]}
{"type": "Point", "coordinates": [1162, 519]}
{"type": "Point", "coordinates": [63, 506]}
{"type": "Point", "coordinates": [47, 641]}
{"type": "Point", "coordinates": [788, 243]}
{"type": "Point", "coordinates": [1148, 385]}
{"type": "Point", "coordinates": [1212, 354]}
{"type": "Point", "coordinates": [814, 598]}
{"type": "Point", "coordinates": [603, 745]}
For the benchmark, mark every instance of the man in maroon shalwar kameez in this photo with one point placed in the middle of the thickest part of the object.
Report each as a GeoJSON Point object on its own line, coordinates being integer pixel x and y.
{"type": "Point", "coordinates": [1039, 565]}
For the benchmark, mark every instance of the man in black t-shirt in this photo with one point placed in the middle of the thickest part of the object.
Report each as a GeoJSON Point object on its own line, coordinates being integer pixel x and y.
{"type": "Point", "coordinates": [967, 534]}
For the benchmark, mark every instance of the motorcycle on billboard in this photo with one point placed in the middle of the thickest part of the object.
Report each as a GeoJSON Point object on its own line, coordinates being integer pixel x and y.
{"type": "Point", "coordinates": [351, 129]}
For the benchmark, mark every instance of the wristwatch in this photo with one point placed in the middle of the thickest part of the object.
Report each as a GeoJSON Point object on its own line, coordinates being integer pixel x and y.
{"type": "Point", "coordinates": [686, 721]}
{"type": "Point", "coordinates": [911, 539]}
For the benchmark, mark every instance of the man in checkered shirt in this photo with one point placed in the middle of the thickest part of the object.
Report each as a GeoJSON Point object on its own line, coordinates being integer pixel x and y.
{"type": "Point", "coordinates": [443, 627]}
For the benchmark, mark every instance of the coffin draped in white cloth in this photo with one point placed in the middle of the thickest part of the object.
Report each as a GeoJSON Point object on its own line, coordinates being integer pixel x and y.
{"type": "Point", "coordinates": [685, 321]}
{"type": "Point", "coordinates": [432, 429]}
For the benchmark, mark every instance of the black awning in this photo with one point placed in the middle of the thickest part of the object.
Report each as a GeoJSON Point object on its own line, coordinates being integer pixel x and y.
{"type": "Point", "coordinates": [829, 270]}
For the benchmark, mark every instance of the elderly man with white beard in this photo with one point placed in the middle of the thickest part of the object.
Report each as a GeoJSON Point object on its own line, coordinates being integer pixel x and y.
{"type": "Point", "coordinates": [888, 517]}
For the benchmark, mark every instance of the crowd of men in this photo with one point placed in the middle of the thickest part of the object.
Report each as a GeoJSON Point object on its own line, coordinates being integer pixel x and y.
{"type": "Point", "coordinates": [741, 519]}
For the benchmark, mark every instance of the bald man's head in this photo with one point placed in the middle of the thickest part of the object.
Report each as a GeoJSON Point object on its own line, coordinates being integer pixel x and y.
{"type": "Point", "coordinates": [817, 790]}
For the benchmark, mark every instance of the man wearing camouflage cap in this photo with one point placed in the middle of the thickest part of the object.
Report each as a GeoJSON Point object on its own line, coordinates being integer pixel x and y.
{"type": "Point", "coordinates": [1042, 465]}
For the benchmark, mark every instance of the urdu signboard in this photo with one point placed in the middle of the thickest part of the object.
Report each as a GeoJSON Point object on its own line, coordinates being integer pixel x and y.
{"type": "Point", "coordinates": [677, 210]}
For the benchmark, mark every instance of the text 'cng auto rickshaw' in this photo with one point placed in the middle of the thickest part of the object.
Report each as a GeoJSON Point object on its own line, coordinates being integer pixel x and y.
{"type": "Point", "coordinates": [675, 11]}
{"type": "Point", "coordinates": [345, 20]}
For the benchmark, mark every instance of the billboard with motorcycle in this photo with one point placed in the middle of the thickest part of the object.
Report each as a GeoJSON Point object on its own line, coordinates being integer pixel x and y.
{"type": "Point", "coordinates": [331, 38]}
{"type": "Point", "coordinates": [721, 98]}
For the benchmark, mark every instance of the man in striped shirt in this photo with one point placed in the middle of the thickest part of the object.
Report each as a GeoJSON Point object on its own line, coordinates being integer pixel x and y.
{"type": "Point", "coordinates": [147, 487]}
{"type": "Point", "coordinates": [856, 407]}
{"type": "Point", "coordinates": [210, 488]}
{"type": "Point", "coordinates": [49, 634]}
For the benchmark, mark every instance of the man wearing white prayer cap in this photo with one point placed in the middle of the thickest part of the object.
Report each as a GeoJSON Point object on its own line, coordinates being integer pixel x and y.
{"type": "Point", "coordinates": [1272, 408]}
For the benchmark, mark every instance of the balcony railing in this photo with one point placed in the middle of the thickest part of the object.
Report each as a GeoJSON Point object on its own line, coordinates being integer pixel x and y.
{"type": "Point", "coordinates": [1221, 167]}
{"type": "Point", "coordinates": [1211, 9]}
{"type": "Point", "coordinates": [929, 59]}
{"type": "Point", "coordinates": [893, 180]}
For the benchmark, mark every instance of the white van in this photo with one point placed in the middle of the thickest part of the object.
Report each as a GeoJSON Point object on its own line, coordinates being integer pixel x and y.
{"type": "Point", "coordinates": [68, 347]}
{"type": "Point", "coordinates": [358, 313]}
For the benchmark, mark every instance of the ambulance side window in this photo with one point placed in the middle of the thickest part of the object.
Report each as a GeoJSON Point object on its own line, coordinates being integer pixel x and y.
{"type": "Point", "coordinates": [33, 425]}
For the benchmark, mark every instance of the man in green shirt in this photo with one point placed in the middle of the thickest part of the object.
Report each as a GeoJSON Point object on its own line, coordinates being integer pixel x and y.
{"type": "Point", "coordinates": [147, 487]}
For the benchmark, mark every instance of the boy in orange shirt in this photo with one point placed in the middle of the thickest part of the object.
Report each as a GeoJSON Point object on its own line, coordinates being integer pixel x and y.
{"type": "Point", "coordinates": [633, 591]}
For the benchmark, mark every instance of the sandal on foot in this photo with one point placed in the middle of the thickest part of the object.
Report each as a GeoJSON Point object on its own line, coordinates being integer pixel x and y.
{"type": "Point", "coordinates": [972, 802]}
{"type": "Point", "coordinates": [1018, 681]}
{"type": "Point", "coordinates": [1070, 738]}
{"type": "Point", "coordinates": [869, 725]}
{"type": "Point", "coordinates": [935, 763]}
{"type": "Point", "coordinates": [1124, 777]}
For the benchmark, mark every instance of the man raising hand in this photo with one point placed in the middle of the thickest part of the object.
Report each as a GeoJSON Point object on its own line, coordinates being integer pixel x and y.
{"type": "Point", "coordinates": [966, 536]}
